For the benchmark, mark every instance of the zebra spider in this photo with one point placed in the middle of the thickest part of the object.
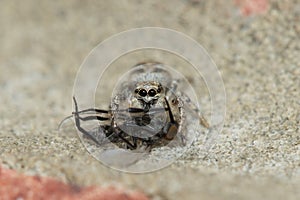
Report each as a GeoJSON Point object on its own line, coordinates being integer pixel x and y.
{"type": "Point", "coordinates": [147, 111]}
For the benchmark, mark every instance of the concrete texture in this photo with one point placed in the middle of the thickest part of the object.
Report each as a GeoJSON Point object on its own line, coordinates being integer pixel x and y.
{"type": "Point", "coordinates": [257, 155]}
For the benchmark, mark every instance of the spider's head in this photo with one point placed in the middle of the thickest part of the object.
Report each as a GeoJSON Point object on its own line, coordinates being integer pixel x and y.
{"type": "Point", "coordinates": [148, 92]}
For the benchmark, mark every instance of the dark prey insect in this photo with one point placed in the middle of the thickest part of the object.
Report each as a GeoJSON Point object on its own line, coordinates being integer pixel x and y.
{"type": "Point", "coordinates": [146, 112]}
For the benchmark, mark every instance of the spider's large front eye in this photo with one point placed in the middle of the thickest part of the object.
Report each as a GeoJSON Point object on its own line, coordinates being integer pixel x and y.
{"type": "Point", "coordinates": [152, 93]}
{"type": "Point", "coordinates": [143, 93]}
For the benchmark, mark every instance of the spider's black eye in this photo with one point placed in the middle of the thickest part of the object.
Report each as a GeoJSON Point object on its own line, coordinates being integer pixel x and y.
{"type": "Point", "coordinates": [143, 93]}
{"type": "Point", "coordinates": [136, 90]}
{"type": "Point", "coordinates": [152, 93]}
{"type": "Point", "coordinates": [158, 90]}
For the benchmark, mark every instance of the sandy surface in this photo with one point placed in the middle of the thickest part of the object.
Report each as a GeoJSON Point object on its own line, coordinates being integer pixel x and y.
{"type": "Point", "coordinates": [257, 155]}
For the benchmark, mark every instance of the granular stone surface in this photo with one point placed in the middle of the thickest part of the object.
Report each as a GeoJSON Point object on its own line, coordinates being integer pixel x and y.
{"type": "Point", "coordinates": [256, 156]}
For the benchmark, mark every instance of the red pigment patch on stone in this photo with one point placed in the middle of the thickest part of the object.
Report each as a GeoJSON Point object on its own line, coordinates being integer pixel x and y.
{"type": "Point", "coordinates": [18, 186]}
{"type": "Point", "coordinates": [252, 7]}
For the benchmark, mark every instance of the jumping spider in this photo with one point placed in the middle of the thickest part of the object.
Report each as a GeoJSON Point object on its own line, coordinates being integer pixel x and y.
{"type": "Point", "coordinates": [148, 111]}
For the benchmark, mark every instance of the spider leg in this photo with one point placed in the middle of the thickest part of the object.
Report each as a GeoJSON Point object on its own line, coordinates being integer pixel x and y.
{"type": "Point", "coordinates": [129, 110]}
{"type": "Point", "coordinates": [186, 99]}
{"type": "Point", "coordinates": [194, 108]}
{"type": "Point", "coordinates": [85, 132]}
{"type": "Point", "coordinates": [132, 146]}
{"type": "Point", "coordinates": [92, 110]}
{"type": "Point", "coordinates": [77, 123]}
{"type": "Point", "coordinates": [93, 118]}
{"type": "Point", "coordinates": [173, 125]}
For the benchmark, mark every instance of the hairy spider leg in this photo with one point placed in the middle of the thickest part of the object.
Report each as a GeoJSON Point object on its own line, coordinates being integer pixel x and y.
{"type": "Point", "coordinates": [92, 109]}
{"type": "Point", "coordinates": [78, 118]}
{"type": "Point", "coordinates": [173, 125]}
{"type": "Point", "coordinates": [187, 100]}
